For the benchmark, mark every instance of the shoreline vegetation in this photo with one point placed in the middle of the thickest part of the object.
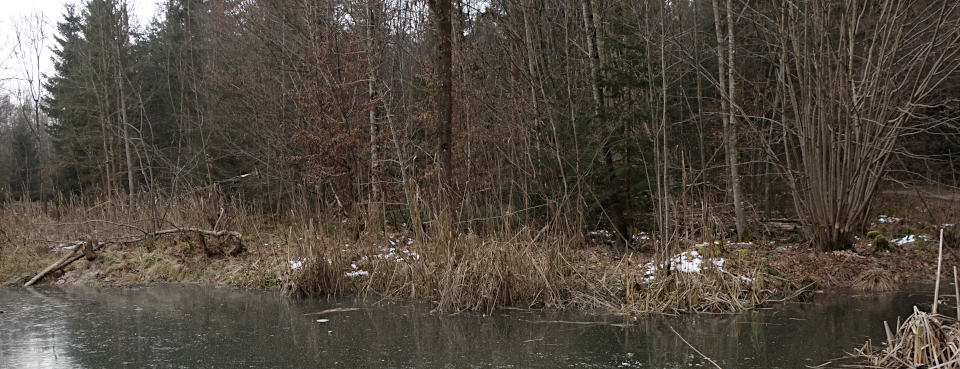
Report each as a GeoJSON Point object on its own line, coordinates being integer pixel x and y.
{"type": "Point", "coordinates": [922, 340]}
{"type": "Point", "coordinates": [303, 256]}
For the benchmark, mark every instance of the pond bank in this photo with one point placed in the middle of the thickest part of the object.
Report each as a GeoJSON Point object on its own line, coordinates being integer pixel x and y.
{"type": "Point", "coordinates": [486, 275]}
{"type": "Point", "coordinates": [528, 269]}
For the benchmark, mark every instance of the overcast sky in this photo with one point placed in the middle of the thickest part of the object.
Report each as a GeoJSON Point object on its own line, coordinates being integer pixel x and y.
{"type": "Point", "coordinates": [14, 12]}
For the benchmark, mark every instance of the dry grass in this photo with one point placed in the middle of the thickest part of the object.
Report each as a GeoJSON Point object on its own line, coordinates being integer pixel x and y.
{"type": "Point", "coordinates": [875, 280]}
{"type": "Point", "coordinates": [464, 274]}
{"type": "Point", "coordinates": [484, 274]}
{"type": "Point", "coordinates": [496, 274]}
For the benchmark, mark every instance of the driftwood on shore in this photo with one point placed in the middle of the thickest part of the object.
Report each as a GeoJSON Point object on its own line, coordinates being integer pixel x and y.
{"type": "Point", "coordinates": [81, 249]}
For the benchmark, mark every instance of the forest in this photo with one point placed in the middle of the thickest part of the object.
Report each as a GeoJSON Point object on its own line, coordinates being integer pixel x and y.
{"type": "Point", "coordinates": [642, 125]}
{"type": "Point", "coordinates": [622, 156]}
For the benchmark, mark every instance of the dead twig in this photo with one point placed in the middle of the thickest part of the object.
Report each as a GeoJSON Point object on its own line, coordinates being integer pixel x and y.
{"type": "Point", "coordinates": [694, 348]}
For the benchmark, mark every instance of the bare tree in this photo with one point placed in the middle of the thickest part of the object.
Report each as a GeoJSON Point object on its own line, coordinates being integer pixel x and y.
{"type": "Point", "coordinates": [29, 50]}
{"type": "Point", "coordinates": [728, 89]}
{"type": "Point", "coordinates": [851, 75]}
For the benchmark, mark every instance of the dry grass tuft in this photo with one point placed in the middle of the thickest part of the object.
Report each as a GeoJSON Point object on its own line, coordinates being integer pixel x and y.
{"type": "Point", "coordinates": [924, 340]}
{"type": "Point", "coordinates": [316, 277]}
{"type": "Point", "coordinates": [487, 276]}
{"type": "Point", "coordinates": [463, 274]}
{"type": "Point", "coordinates": [875, 280]}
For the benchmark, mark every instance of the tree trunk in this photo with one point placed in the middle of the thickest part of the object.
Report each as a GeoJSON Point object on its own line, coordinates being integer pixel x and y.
{"type": "Point", "coordinates": [126, 131]}
{"type": "Point", "coordinates": [442, 14]}
{"type": "Point", "coordinates": [442, 10]}
{"type": "Point", "coordinates": [374, 210]}
{"type": "Point", "coordinates": [727, 105]}
{"type": "Point", "coordinates": [742, 233]}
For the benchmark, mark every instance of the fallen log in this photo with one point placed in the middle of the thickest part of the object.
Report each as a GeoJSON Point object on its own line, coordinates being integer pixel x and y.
{"type": "Point", "coordinates": [86, 248]}
{"type": "Point", "coordinates": [66, 260]}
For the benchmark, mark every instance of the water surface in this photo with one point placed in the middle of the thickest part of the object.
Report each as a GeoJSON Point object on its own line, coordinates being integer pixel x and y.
{"type": "Point", "coordinates": [206, 327]}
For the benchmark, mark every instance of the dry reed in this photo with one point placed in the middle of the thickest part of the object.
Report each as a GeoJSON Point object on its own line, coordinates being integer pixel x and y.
{"type": "Point", "coordinates": [923, 340]}
{"type": "Point", "coordinates": [875, 280]}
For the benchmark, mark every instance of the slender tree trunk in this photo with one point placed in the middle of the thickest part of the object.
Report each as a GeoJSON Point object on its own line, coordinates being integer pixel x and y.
{"type": "Point", "coordinates": [594, 57]}
{"type": "Point", "coordinates": [665, 127]}
{"type": "Point", "coordinates": [616, 204]}
{"type": "Point", "coordinates": [442, 10]}
{"type": "Point", "coordinates": [126, 131]}
{"type": "Point", "coordinates": [374, 208]}
{"type": "Point", "coordinates": [128, 158]}
{"type": "Point", "coordinates": [726, 77]}
{"type": "Point", "coordinates": [442, 14]}
{"type": "Point", "coordinates": [705, 177]}
{"type": "Point", "coordinates": [732, 131]}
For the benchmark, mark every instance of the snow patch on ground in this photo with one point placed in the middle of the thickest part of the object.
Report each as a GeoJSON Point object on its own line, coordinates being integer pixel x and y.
{"type": "Point", "coordinates": [702, 244]}
{"type": "Point", "coordinates": [905, 240]}
{"type": "Point", "coordinates": [886, 219]}
{"type": "Point", "coordinates": [393, 254]}
{"type": "Point", "coordinates": [737, 244]}
{"type": "Point", "coordinates": [642, 236]}
{"type": "Point", "coordinates": [397, 252]}
{"type": "Point", "coordinates": [599, 232]}
{"type": "Point", "coordinates": [296, 264]}
{"type": "Point", "coordinates": [71, 246]}
{"type": "Point", "coordinates": [356, 271]}
{"type": "Point", "coordinates": [686, 262]}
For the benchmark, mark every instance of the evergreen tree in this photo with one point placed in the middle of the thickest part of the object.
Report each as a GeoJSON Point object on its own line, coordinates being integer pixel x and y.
{"type": "Point", "coordinates": [72, 106]}
{"type": "Point", "coordinates": [91, 63]}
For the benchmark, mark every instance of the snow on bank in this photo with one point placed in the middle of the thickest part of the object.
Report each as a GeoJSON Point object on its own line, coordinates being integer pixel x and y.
{"type": "Point", "coordinates": [687, 262]}
{"type": "Point", "coordinates": [886, 219]}
{"type": "Point", "coordinates": [399, 252]}
{"type": "Point", "coordinates": [356, 272]}
{"type": "Point", "coordinates": [69, 246]}
{"type": "Point", "coordinates": [904, 240]}
{"type": "Point", "coordinates": [296, 264]}
{"type": "Point", "coordinates": [740, 244]}
{"type": "Point", "coordinates": [607, 237]}
{"type": "Point", "coordinates": [393, 254]}
{"type": "Point", "coordinates": [642, 236]}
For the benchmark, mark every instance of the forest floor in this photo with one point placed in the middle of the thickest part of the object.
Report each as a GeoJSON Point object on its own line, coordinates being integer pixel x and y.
{"type": "Point", "coordinates": [528, 272]}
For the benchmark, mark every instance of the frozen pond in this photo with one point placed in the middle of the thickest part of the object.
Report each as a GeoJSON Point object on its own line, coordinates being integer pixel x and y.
{"type": "Point", "coordinates": [205, 327]}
